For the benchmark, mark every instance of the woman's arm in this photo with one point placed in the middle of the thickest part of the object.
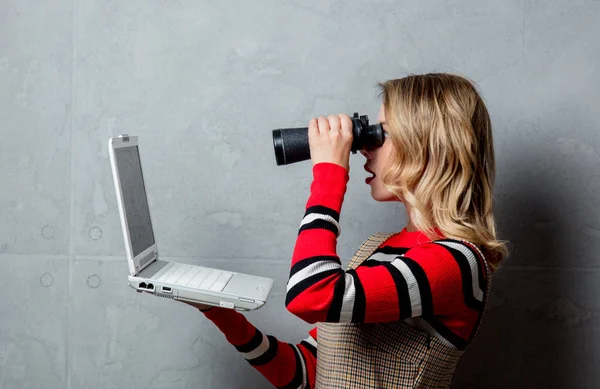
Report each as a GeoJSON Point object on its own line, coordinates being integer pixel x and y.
{"type": "Point", "coordinates": [285, 365]}
{"type": "Point", "coordinates": [429, 279]}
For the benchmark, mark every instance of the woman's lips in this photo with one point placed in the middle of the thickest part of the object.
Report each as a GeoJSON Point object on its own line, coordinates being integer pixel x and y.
{"type": "Point", "coordinates": [369, 179]}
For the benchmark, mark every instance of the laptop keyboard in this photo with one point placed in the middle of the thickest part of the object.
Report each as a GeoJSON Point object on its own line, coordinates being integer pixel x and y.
{"type": "Point", "coordinates": [197, 277]}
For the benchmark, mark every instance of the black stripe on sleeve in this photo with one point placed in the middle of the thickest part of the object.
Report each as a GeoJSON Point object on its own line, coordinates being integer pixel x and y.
{"type": "Point", "coordinates": [480, 266]}
{"type": "Point", "coordinates": [298, 379]}
{"type": "Point", "coordinates": [424, 287]}
{"type": "Point", "coordinates": [335, 309]}
{"type": "Point", "coordinates": [323, 210]}
{"type": "Point", "coordinates": [402, 291]}
{"type": "Point", "coordinates": [391, 250]}
{"type": "Point", "coordinates": [309, 261]}
{"type": "Point", "coordinates": [268, 355]}
{"type": "Point", "coordinates": [450, 336]}
{"type": "Point", "coordinates": [467, 278]}
{"type": "Point", "coordinates": [319, 224]}
{"type": "Point", "coordinates": [308, 282]}
{"type": "Point", "coordinates": [311, 349]}
{"type": "Point", "coordinates": [360, 300]}
{"type": "Point", "coordinates": [478, 258]}
{"type": "Point", "coordinates": [252, 343]}
{"type": "Point", "coordinates": [372, 263]}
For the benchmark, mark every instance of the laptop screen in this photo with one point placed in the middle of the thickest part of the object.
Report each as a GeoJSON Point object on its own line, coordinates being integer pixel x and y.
{"type": "Point", "coordinates": [134, 199]}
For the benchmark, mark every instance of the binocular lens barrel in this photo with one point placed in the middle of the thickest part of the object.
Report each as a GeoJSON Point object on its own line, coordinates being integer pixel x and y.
{"type": "Point", "coordinates": [291, 144]}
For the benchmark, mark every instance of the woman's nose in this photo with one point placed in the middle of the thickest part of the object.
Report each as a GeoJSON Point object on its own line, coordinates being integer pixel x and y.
{"type": "Point", "coordinates": [365, 154]}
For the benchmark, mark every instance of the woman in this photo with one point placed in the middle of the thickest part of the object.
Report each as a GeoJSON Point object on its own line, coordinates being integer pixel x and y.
{"type": "Point", "coordinates": [408, 305]}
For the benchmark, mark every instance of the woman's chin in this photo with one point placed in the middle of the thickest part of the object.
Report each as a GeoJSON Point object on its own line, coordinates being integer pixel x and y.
{"type": "Point", "coordinates": [377, 195]}
{"type": "Point", "coordinates": [382, 195]}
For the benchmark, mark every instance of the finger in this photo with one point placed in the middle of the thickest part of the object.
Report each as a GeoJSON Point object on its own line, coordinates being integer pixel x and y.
{"type": "Point", "coordinates": [334, 123]}
{"type": "Point", "coordinates": [323, 125]}
{"type": "Point", "coordinates": [346, 124]}
{"type": "Point", "coordinates": [312, 128]}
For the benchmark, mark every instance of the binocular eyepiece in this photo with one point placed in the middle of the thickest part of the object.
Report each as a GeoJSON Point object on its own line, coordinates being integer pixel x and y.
{"type": "Point", "coordinates": [291, 144]}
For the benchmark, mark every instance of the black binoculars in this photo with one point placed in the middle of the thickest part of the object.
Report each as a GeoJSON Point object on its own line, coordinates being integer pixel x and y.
{"type": "Point", "coordinates": [291, 144]}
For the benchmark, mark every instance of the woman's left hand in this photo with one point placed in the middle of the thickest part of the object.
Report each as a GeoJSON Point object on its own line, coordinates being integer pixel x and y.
{"type": "Point", "coordinates": [330, 140]}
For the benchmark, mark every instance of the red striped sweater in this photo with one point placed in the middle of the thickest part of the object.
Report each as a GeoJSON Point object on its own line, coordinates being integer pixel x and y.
{"type": "Point", "coordinates": [436, 286]}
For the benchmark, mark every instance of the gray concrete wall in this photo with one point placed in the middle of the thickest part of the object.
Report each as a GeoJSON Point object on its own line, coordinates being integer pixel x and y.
{"type": "Point", "coordinates": [203, 83]}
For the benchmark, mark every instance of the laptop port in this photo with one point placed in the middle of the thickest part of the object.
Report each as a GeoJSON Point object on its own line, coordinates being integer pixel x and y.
{"type": "Point", "coordinates": [166, 289]}
{"type": "Point", "coordinates": [142, 285]}
{"type": "Point", "coordinates": [150, 287]}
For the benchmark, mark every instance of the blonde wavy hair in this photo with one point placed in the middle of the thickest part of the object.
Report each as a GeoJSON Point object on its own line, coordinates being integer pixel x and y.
{"type": "Point", "coordinates": [443, 164]}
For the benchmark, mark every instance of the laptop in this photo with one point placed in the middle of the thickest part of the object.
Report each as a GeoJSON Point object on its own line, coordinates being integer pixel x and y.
{"type": "Point", "coordinates": [172, 280]}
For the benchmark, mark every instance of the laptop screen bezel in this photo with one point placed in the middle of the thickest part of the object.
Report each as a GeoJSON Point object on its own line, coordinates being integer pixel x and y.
{"type": "Point", "coordinates": [135, 263]}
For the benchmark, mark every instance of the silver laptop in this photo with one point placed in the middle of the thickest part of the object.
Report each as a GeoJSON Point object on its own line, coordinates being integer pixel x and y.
{"type": "Point", "coordinates": [147, 273]}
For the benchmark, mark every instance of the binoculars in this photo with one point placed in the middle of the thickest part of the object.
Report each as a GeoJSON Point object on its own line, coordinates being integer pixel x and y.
{"type": "Point", "coordinates": [291, 144]}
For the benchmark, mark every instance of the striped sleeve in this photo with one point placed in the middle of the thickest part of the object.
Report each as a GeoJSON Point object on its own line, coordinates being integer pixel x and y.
{"type": "Point", "coordinates": [285, 365]}
{"type": "Point", "coordinates": [432, 279]}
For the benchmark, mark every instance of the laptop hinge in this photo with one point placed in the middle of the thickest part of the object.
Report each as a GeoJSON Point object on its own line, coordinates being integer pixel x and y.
{"type": "Point", "coordinates": [145, 261]}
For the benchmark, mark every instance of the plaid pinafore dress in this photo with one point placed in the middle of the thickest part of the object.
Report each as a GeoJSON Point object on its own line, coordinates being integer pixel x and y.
{"type": "Point", "coordinates": [383, 355]}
